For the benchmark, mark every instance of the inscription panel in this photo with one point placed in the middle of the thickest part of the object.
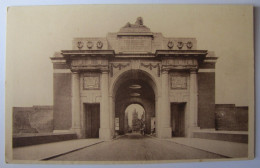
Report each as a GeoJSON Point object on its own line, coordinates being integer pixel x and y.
{"type": "Point", "coordinates": [135, 44]}
{"type": "Point", "coordinates": [91, 82]}
{"type": "Point", "coordinates": [178, 81]}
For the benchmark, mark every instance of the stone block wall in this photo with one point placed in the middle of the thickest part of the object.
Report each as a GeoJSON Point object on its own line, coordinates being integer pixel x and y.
{"type": "Point", "coordinates": [62, 101]}
{"type": "Point", "coordinates": [231, 118]}
{"type": "Point", "coordinates": [206, 99]}
{"type": "Point", "coordinates": [36, 119]}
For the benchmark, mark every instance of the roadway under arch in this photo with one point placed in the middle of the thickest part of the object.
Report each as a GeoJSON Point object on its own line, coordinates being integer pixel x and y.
{"type": "Point", "coordinates": [134, 87]}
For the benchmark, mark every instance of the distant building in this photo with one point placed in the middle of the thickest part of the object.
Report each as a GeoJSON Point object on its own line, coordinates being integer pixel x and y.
{"type": "Point", "coordinates": [135, 121]}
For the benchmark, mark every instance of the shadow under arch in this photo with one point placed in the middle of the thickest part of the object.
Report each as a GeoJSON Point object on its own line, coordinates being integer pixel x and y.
{"type": "Point", "coordinates": [124, 95]}
{"type": "Point", "coordinates": [135, 74]}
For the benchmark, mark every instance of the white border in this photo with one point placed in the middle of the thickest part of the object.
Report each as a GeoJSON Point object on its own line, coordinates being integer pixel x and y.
{"type": "Point", "coordinates": [238, 164]}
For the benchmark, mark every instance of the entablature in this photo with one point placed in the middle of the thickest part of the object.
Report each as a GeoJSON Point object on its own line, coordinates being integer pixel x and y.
{"type": "Point", "coordinates": [181, 59]}
{"type": "Point", "coordinates": [120, 34]}
{"type": "Point", "coordinates": [71, 54]}
{"type": "Point", "coordinates": [179, 64]}
{"type": "Point", "coordinates": [198, 54]}
{"type": "Point", "coordinates": [84, 60]}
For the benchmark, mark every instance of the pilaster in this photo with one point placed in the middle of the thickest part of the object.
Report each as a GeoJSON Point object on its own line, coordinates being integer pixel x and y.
{"type": "Point", "coordinates": [166, 129]}
{"type": "Point", "coordinates": [193, 121]}
{"type": "Point", "coordinates": [105, 116]}
{"type": "Point", "coordinates": [76, 126]}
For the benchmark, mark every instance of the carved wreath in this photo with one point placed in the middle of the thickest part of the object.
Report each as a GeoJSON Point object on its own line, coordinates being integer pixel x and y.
{"type": "Point", "coordinates": [189, 44]}
{"type": "Point", "coordinates": [180, 45]}
{"type": "Point", "coordinates": [170, 44]}
{"type": "Point", "coordinates": [99, 44]}
{"type": "Point", "coordinates": [80, 44]}
{"type": "Point", "coordinates": [89, 44]}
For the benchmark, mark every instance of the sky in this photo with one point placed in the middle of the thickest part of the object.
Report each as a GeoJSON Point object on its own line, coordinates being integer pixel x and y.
{"type": "Point", "coordinates": [35, 33]}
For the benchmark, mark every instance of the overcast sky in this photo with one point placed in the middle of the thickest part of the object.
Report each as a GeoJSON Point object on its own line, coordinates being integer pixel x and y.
{"type": "Point", "coordinates": [35, 33]}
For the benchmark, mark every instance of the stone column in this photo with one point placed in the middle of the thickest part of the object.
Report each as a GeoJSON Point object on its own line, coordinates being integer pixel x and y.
{"type": "Point", "coordinates": [105, 130]}
{"type": "Point", "coordinates": [166, 130]}
{"type": "Point", "coordinates": [193, 121]}
{"type": "Point", "coordinates": [76, 126]}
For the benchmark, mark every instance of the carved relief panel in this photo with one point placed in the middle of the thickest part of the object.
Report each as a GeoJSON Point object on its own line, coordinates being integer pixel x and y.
{"type": "Point", "coordinates": [91, 81]}
{"type": "Point", "coordinates": [179, 84]}
{"type": "Point", "coordinates": [136, 43]}
{"type": "Point", "coordinates": [155, 67]}
{"type": "Point", "coordinates": [90, 44]}
{"type": "Point", "coordinates": [178, 81]}
{"type": "Point", "coordinates": [115, 67]}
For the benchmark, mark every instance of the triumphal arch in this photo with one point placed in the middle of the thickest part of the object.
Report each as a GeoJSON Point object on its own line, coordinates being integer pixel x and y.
{"type": "Point", "coordinates": [169, 77]}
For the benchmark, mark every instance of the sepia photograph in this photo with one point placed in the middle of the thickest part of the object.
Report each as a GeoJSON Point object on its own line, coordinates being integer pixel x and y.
{"type": "Point", "coordinates": [102, 84]}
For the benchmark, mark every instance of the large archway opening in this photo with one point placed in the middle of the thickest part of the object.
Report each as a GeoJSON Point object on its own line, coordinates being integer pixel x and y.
{"type": "Point", "coordinates": [135, 88]}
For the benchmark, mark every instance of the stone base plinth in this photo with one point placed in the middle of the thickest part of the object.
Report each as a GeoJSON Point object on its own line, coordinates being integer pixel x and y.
{"type": "Point", "coordinates": [42, 138]}
{"type": "Point", "coordinates": [231, 136]}
{"type": "Point", "coordinates": [62, 131]}
{"type": "Point", "coordinates": [79, 132]}
{"type": "Point", "coordinates": [166, 133]}
{"type": "Point", "coordinates": [105, 134]}
{"type": "Point", "coordinates": [191, 131]}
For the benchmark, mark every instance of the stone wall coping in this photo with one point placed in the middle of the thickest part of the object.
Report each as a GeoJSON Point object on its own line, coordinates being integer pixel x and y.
{"type": "Point", "coordinates": [39, 134]}
{"type": "Point", "coordinates": [225, 105]}
{"type": "Point", "coordinates": [198, 54]}
{"type": "Point", "coordinates": [86, 53]}
{"type": "Point", "coordinates": [135, 34]}
{"type": "Point", "coordinates": [221, 132]}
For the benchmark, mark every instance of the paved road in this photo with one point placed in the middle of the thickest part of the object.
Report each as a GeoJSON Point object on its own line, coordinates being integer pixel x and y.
{"type": "Point", "coordinates": [136, 147]}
